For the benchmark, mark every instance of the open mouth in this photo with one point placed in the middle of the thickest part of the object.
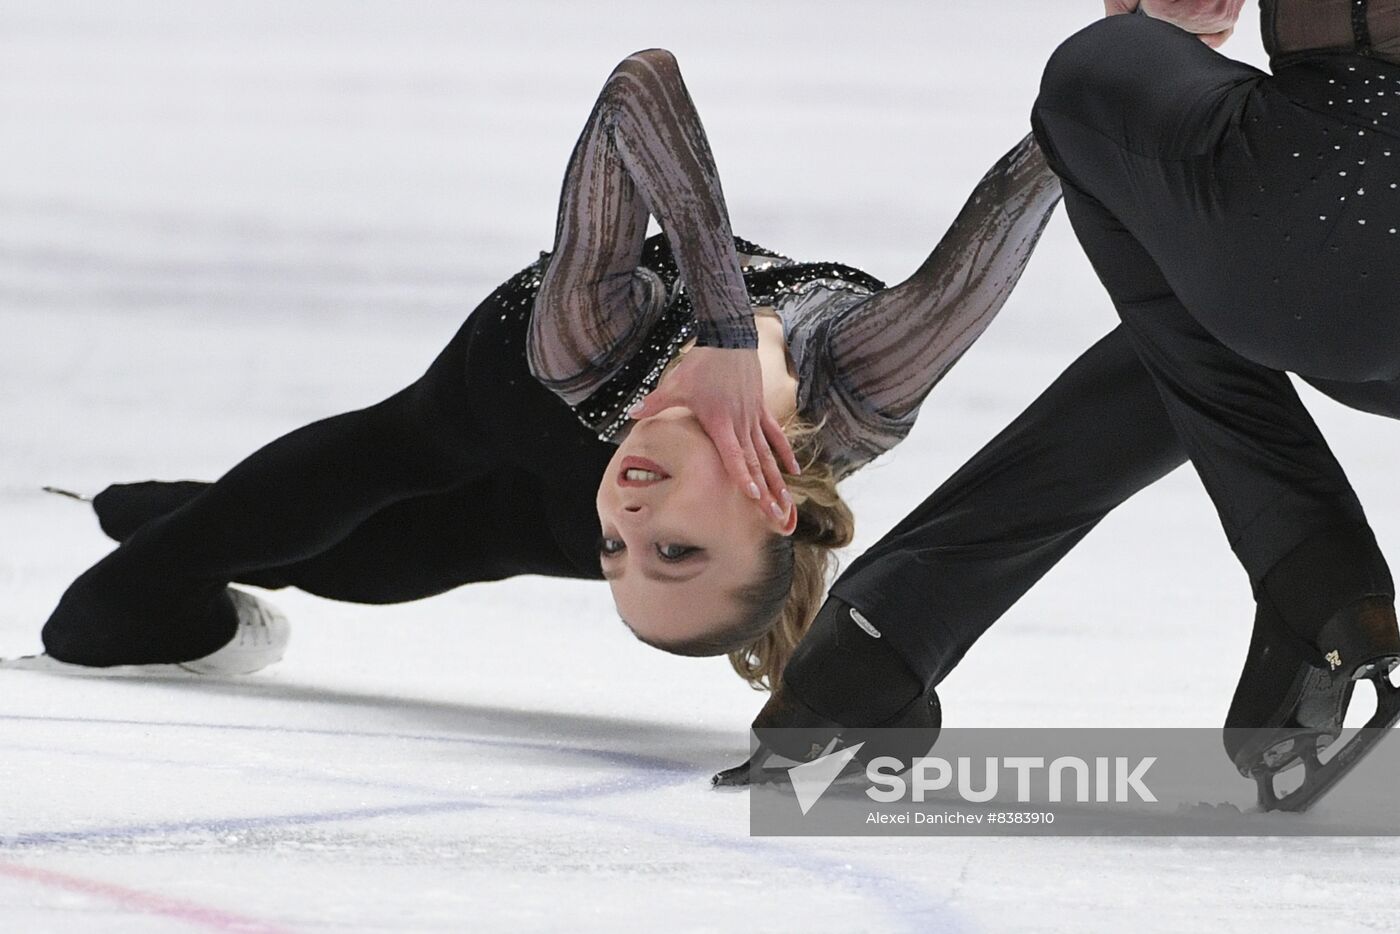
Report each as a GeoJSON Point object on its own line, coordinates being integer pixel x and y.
{"type": "Point", "coordinates": [638, 471]}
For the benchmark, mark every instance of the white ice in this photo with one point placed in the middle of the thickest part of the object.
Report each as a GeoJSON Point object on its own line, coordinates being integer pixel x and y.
{"type": "Point", "coordinates": [219, 221]}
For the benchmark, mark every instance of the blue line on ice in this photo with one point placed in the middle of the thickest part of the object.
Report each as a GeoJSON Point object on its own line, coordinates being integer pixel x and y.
{"type": "Point", "coordinates": [911, 907]}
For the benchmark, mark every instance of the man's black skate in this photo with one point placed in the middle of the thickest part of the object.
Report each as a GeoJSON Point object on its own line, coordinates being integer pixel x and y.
{"type": "Point", "coordinates": [789, 732]}
{"type": "Point", "coordinates": [1292, 697]}
{"type": "Point", "coordinates": [843, 687]}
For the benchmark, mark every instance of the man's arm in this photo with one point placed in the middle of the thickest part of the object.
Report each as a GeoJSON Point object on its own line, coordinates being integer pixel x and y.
{"type": "Point", "coordinates": [1212, 20]}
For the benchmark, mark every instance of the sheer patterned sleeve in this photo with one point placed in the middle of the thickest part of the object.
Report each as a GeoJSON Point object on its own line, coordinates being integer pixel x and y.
{"type": "Point", "coordinates": [643, 152]}
{"type": "Point", "coordinates": [887, 351]}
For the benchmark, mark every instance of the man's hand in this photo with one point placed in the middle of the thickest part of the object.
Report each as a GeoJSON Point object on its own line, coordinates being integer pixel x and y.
{"type": "Point", "coordinates": [1212, 20]}
{"type": "Point", "coordinates": [724, 388]}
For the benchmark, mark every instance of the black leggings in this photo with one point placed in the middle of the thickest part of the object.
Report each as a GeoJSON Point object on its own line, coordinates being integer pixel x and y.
{"type": "Point", "coordinates": [1245, 225]}
{"type": "Point", "coordinates": [1220, 245]}
{"type": "Point", "coordinates": [474, 472]}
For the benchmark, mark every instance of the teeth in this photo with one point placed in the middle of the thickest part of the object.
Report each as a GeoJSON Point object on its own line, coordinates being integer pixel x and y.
{"type": "Point", "coordinates": [635, 474]}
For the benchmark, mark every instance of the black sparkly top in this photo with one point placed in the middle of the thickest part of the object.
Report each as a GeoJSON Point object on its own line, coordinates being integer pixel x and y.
{"type": "Point", "coordinates": [605, 411]}
{"type": "Point", "coordinates": [865, 355]}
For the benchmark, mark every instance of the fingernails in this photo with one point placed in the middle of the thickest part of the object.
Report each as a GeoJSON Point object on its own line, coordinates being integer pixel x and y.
{"type": "Point", "coordinates": [777, 511]}
{"type": "Point", "coordinates": [636, 410]}
{"type": "Point", "coordinates": [753, 491]}
{"type": "Point", "coordinates": [786, 497]}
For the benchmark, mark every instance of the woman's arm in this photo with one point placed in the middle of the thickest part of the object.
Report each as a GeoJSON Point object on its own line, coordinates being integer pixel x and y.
{"type": "Point", "coordinates": [644, 151]}
{"type": "Point", "coordinates": [889, 351]}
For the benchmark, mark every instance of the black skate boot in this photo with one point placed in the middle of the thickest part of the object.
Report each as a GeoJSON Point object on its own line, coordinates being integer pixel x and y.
{"type": "Point", "coordinates": [1293, 695]}
{"type": "Point", "coordinates": [842, 688]}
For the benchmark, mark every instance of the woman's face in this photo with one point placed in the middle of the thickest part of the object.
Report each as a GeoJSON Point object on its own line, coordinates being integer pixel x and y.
{"type": "Point", "coordinates": [679, 539]}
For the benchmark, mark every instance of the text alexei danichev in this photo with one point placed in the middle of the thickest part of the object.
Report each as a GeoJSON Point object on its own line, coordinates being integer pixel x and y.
{"type": "Point", "coordinates": [922, 817]}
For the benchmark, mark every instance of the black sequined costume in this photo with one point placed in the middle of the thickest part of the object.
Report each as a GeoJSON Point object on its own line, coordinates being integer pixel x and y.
{"type": "Point", "coordinates": [767, 281]}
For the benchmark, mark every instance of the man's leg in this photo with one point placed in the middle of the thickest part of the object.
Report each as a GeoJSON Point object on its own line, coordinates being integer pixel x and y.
{"type": "Point", "coordinates": [1173, 206]}
{"type": "Point", "coordinates": [958, 562]}
{"type": "Point", "coordinates": [903, 614]}
{"type": "Point", "coordinates": [1153, 182]}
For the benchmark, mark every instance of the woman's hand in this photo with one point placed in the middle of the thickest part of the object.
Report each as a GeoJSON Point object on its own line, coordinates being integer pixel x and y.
{"type": "Point", "coordinates": [1212, 20]}
{"type": "Point", "coordinates": [724, 388]}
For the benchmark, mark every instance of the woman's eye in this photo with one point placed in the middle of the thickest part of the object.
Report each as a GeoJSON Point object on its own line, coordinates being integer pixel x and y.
{"type": "Point", "coordinates": [675, 552]}
{"type": "Point", "coordinates": [610, 546]}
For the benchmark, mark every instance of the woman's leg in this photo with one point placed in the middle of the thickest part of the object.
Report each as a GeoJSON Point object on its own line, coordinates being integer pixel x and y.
{"type": "Point", "coordinates": [489, 529]}
{"type": "Point", "coordinates": [123, 508]}
{"type": "Point", "coordinates": [159, 597]}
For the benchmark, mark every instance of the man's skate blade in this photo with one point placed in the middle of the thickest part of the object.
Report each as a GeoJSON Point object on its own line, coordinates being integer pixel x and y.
{"type": "Point", "coordinates": [50, 665]}
{"type": "Point", "coordinates": [1320, 777]}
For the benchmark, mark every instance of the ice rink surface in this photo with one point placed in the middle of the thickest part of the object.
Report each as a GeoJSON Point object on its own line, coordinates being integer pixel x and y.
{"type": "Point", "coordinates": [219, 221]}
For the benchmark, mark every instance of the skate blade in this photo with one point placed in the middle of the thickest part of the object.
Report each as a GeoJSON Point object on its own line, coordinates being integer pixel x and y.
{"type": "Point", "coordinates": [49, 665]}
{"type": "Point", "coordinates": [1319, 777]}
{"type": "Point", "coordinates": [1279, 745]}
{"type": "Point", "coordinates": [69, 494]}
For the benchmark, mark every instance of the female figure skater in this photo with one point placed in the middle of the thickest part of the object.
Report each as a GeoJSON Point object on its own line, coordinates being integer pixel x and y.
{"type": "Point", "coordinates": [515, 452]}
{"type": "Point", "coordinates": [1243, 224]}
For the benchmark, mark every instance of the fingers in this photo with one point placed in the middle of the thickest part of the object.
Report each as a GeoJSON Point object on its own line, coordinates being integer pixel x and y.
{"type": "Point", "coordinates": [651, 404]}
{"type": "Point", "coordinates": [734, 458]}
{"type": "Point", "coordinates": [745, 466]}
{"type": "Point", "coordinates": [1216, 39]}
{"type": "Point", "coordinates": [757, 480]}
{"type": "Point", "coordinates": [772, 476]}
{"type": "Point", "coordinates": [779, 441]}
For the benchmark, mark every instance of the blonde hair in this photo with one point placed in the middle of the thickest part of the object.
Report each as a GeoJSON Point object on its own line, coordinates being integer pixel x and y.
{"type": "Point", "coordinates": [824, 523]}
